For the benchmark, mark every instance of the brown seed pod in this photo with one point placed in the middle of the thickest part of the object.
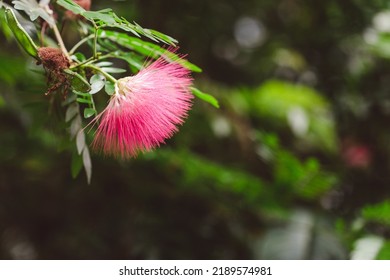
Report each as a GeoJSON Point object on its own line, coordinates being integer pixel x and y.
{"type": "Point", "coordinates": [54, 62]}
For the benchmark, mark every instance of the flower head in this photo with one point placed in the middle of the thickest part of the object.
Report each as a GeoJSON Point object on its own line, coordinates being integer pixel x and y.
{"type": "Point", "coordinates": [144, 110]}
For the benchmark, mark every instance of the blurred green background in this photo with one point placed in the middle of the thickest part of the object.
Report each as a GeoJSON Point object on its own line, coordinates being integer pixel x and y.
{"type": "Point", "coordinates": [294, 165]}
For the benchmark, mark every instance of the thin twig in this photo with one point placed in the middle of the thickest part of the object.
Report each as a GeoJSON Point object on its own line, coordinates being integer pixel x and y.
{"type": "Point", "coordinates": [95, 55]}
{"type": "Point", "coordinates": [108, 76]}
{"type": "Point", "coordinates": [89, 61]}
{"type": "Point", "coordinates": [61, 42]}
{"type": "Point", "coordinates": [82, 41]}
{"type": "Point", "coordinates": [57, 33]}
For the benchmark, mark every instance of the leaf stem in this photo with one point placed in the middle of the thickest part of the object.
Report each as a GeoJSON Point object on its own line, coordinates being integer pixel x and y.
{"type": "Point", "coordinates": [82, 41]}
{"type": "Point", "coordinates": [89, 61]}
{"type": "Point", "coordinates": [93, 105]}
{"type": "Point", "coordinates": [95, 34]}
{"type": "Point", "coordinates": [108, 76]}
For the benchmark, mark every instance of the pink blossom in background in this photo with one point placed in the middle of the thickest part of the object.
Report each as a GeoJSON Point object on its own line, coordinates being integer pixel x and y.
{"type": "Point", "coordinates": [358, 156]}
{"type": "Point", "coordinates": [144, 110]}
{"type": "Point", "coordinates": [355, 154]}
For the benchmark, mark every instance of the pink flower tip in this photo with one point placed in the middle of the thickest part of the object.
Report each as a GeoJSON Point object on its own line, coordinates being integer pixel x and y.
{"type": "Point", "coordinates": [145, 110]}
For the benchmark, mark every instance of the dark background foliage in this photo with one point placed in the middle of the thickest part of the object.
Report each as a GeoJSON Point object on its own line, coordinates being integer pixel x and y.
{"type": "Point", "coordinates": [294, 165]}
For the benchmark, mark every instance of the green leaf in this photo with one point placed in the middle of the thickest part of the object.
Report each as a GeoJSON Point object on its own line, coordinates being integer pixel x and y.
{"type": "Point", "coordinates": [96, 78]}
{"type": "Point", "coordinates": [137, 30]}
{"type": "Point", "coordinates": [381, 46]}
{"type": "Point", "coordinates": [379, 213]}
{"type": "Point", "coordinates": [305, 179]}
{"type": "Point", "coordinates": [3, 24]}
{"type": "Point", "coordinates": [84, 95]}
{"type": "Point", "coordinates": [103, 64]}
{"type": "Point", "coordinates": [71, 6]}
{"type": "Point", "coordinates": [78, 82]}
{"type": "Point", "coordinates": [146, 48]}
{"type": "Point", "coordinates": [87, 164]}
{"type": "Point", "coordinates": [384, 252]}
{"type": "Point", "coordinates": [75, 126]}
{"type": "Point", "coordinates": [113, 70]}
{"type": "Point", "coordinates": [20, 34]}
{"type": "Point", "coordinates": [105, 10]}
{"type": "Point", "coordinates": [107, 18]}
{"type": "Point", "coordinates": [80, 141]}
{"type": "Point", "coordinates": [89, 112]}
{"type": "Point", "coordinates": [109, 88]}
{"type": "Point", "coordinates": [79, 57]}
{"type": "Point", "coordinates": [71, 112]}
{"type": "Point", "coordinates": [97, 83]}
{"type": "Point", "coordinates": [107, 45]}
{"type": "Point", "coordinates": [135, 61]}
{"type": "Point", "coordinates": [304, 110]}
{"type": "Point", "coordinates": [205, 97]}
{"type": "Point", "coordinates": [83, 100]}
{"type": "Point", "coordinates": [162, 36]}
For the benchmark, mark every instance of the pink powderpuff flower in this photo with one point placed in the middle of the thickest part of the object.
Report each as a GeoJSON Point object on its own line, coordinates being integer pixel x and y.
{"type": "Point", "coordinates": [144, 110]}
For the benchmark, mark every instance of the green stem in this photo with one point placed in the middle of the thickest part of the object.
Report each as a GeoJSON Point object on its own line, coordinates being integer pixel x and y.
{"type": "Point", "coordinates": [93, 105]}
{"type": "Point", "coordinates": [82, 41]}
{"type": "Point", "coordinates": [95, 55]}
{"type": "Point", "coordinates": [105, 74]}
{"type": "Point", "coordinates": [89, 61]}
